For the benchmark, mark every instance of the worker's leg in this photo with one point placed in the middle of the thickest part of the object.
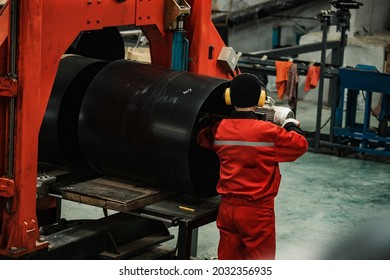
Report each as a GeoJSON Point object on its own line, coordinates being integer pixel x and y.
{"type": "Point", "coordinates": [258, 232]}
{"type": "Point", "coordinates": [230, 245]}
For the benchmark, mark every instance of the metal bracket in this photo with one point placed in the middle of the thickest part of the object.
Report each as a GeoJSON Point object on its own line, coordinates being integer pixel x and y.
{"type": "Point", "coordinates": [346, 4]}
{"type": "Point", "coordinates": [7, 187]}
{"type": "Point", "coordinates": [8, 86]}
{"type": "Point", "coordinates": [341, 17]}
{"type": "Point", "coordinates": [228, 59]}
{"type": "Point", "coordinates": [173, 10]}
{"type": "Point", "coordinates": [43, 183]}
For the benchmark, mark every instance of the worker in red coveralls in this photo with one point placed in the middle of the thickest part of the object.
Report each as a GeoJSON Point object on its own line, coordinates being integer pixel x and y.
{"type": "Point", "coordinates": [249, 151]}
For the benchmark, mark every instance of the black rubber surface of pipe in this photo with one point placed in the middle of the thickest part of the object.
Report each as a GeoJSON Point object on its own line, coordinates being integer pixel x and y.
{"type": "Point", "coordinates": [58, 137]}
{"type": "Point", "coordinates": [138, 122]}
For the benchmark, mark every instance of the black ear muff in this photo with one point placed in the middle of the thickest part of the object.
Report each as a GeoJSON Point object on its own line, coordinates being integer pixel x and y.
{"type": "Point", "coordinates": [262, 98]}
{"type": "Point", "coordinates": [263, 95]}
{"type": "Point", "coordinates": [226, 95]}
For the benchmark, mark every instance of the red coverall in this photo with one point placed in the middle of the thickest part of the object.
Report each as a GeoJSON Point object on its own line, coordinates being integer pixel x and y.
{"type": "Point", "coordinates": [249, 151]}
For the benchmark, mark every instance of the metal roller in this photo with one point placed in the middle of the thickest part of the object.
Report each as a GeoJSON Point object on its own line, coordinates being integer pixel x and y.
{"type": "Point", "coordinates": [140, 122]}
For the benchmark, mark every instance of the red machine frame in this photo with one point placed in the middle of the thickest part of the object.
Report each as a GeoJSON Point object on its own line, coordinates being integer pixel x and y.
{"type": "Point", "coordinates": [45, 29]}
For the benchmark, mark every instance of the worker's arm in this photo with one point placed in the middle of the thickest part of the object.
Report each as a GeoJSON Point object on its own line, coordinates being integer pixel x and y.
{"type": "Point", "coordinates": [290, 142]}
{"type": "Point", "coordinates": [205, 136]}
{"type": "Point", "coordinates": [292, 125]}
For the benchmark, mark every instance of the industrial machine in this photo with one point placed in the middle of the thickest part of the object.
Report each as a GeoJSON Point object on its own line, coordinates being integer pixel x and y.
{"type": "Point", "coordinates": [105, 131]}
{"type": "Point", "coordinates": [80, 123]}
{"type": "Point", "coordinates": [362, 135]}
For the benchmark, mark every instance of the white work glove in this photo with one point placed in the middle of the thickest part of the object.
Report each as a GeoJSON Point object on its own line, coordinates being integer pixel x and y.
{"type": "Point", "coordinates": [296, 122]}
{"type": "Point", "coordinates": [281, 114]}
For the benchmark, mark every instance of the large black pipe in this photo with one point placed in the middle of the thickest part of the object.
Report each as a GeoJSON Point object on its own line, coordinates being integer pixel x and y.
{"type": "Point", "coordinates": [58, 137]}
{"type": "Point", "coordinates": [140, 121]}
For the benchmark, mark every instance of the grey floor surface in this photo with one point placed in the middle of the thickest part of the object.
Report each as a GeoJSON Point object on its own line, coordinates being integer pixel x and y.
{"type": "Point", "coordinates": [323, 200]}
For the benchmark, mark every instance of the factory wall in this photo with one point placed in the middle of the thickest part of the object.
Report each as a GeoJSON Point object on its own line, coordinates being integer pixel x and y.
{"type": "Point", "coordinates": [231, 5]}
{"type": "Point", "coordinates": [372, 17]}
{"type": "Point", "coordinates": [367, 37]}
{"type": "Point", "coordinates": [257, 34]}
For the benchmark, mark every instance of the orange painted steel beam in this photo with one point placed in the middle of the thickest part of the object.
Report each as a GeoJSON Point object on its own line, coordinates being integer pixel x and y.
{"type": "Point", "coordinates": [205, 41]}
{"type": "Point", "coordinates": [5, 189]}
{"type": "Point", "coordinates": [8, 86]}
{"type": "Point", "coordinates": [150, 17]}
{"type": "Point", "coordinates": [4, 23]}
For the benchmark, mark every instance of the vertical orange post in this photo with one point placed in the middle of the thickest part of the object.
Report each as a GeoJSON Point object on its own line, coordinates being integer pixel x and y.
{"type": "Point", "coordinates": [205, 41]}
{"type": "Point", "coordinates": [4, 31]}
{"type": "Point", "coordinates": [46, 28]}
{"type": "Point", "coordinates": [150, 17]}
{"type": "Point", "coordinates": [19, 219]}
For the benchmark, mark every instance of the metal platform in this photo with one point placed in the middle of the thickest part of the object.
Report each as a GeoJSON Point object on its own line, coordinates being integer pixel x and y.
{"type": "Point", "coordinates": [185, 211]}
{"type": "Point", "coordinates": [113, 194]}
{"type": "Point", "coordinates": [188, 213]}
{"type": "Point", "coordinates": [117, 236]}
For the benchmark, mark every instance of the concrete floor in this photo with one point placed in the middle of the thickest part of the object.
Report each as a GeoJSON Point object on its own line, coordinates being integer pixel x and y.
{"type": "Point", "coordinates": [323, 199]}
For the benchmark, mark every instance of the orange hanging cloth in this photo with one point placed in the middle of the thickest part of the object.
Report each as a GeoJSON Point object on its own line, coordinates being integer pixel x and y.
{"type": "Point", "coordinates": [282, 76]}
{"type": "Point", "coordinates": [312, 77]}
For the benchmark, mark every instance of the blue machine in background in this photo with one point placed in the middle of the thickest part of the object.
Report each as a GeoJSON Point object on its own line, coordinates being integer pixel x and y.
{"type": "Point", "coordinates": [347, 131]}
